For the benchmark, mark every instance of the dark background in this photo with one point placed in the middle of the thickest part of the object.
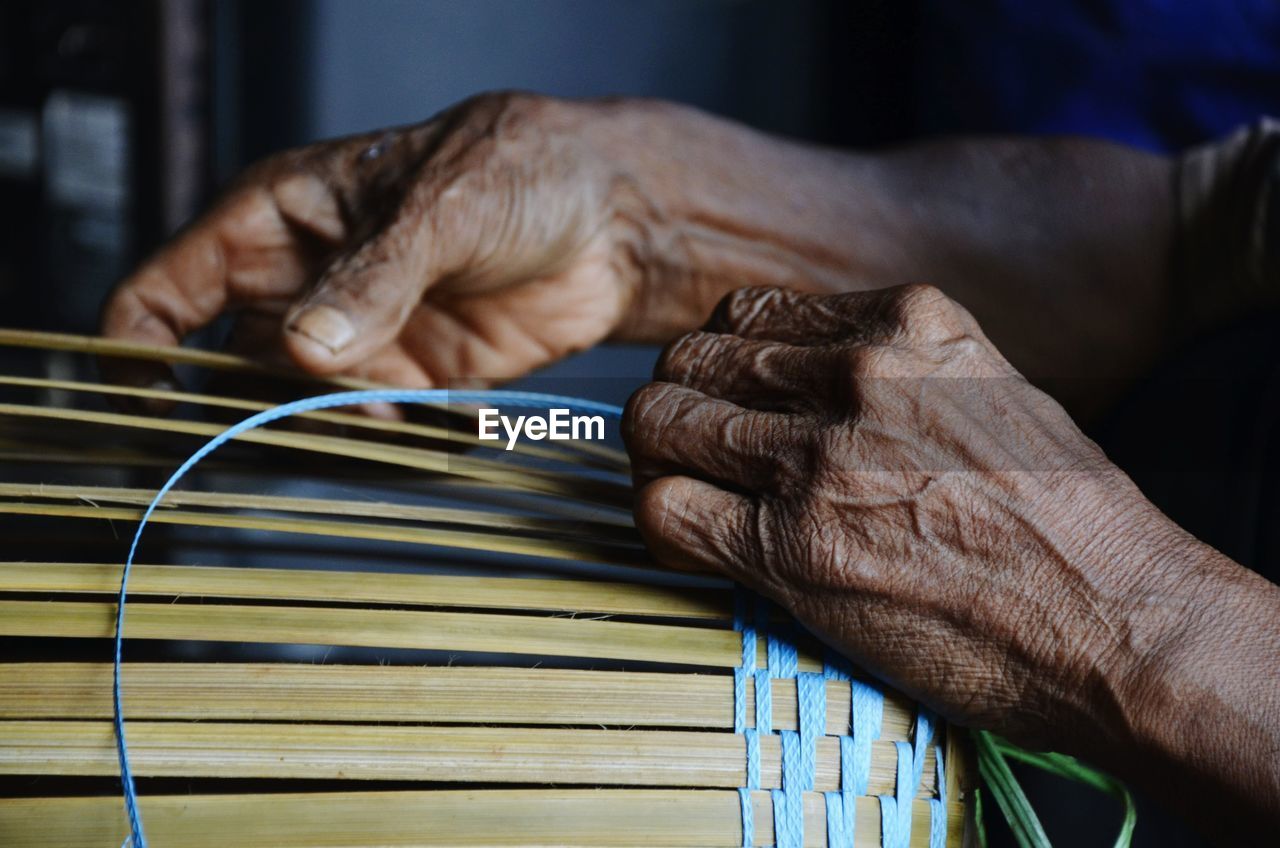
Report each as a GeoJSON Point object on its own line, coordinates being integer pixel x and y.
{"type": "Point", "coordinates": [118, 120]}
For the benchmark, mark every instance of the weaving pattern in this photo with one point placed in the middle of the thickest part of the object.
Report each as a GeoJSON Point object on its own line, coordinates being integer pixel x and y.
{"type": "Point", "coordinates": [895, 810]}
{"type": "Point", "coordinates": [799, 762]}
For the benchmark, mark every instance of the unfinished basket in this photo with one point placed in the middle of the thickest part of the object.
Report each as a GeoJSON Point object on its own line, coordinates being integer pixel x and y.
{"type": "Point", "coordinates": [361, 632]}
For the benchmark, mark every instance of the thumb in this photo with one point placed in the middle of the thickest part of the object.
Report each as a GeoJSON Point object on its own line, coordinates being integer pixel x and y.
{"type": "Point", "coordinates": [361, 301]}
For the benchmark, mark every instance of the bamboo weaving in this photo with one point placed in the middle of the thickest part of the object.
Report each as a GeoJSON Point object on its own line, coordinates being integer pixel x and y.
{"type": "Point", "coordinates": [361, 632]}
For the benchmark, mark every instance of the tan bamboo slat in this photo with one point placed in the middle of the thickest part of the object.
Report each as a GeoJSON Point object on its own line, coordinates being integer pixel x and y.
{"type": "Point", "coordinates": [215, 361]}
{"type": "Point", "coordinates": [579, 451]}
{"type": "Point", "coordinates": [656, 758]}
{"type": "Point", "coordinates": [549, 548]}
{"type": "Point", "coordinates": [374, 628]}
{"type": "Point", "coordinates": [610, 531]}
{"type": "Point", "coordinates": [442, 590]}
{"type": "Point", "coordinates": [451, 694]}
{"type": "Point", "coordinates": [634, 818]}
{"type": "Point", "coordinates": [420, 459]}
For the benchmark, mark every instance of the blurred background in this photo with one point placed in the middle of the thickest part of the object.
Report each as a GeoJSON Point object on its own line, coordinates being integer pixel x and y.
{"type": "Point", "coordinates": [119, 120]}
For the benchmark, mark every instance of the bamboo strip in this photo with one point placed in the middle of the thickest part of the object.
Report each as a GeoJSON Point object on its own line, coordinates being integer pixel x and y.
{"type": "Point", "coordinates": [421, 459]}
{"type": "Point", "coordinates": [214, 360]}
{"type": "Point", "coordinates": [442, 537]}
{"type": "Point", "coordinates": [217, 361]}
{"type": "Point", "coordinates": [521, 593]}
{"type": "Point", "coordinates": [452, 694]}
{"type": "Point", "coordinates": [381, 628]}
{"type": "Point", "coordinates": [609, 457]}
{"type": "Point", "coordinates": [323, 506]}
{"type": "Point", "coordinates": [574, 818]}
{"type": "Point", "coordinates": [27, 452]}
{"type": "Point", "coordinates": [461, 754]}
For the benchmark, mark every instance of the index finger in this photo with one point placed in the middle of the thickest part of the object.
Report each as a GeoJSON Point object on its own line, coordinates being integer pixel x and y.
{"type": "Point", "coordinates": [246, 250]}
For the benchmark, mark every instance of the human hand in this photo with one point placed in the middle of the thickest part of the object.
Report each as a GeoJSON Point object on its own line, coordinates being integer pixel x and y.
{"type": "Point", "coordinates": [872, 463]}
{"type": "Point", "coordinates": [499, 236]}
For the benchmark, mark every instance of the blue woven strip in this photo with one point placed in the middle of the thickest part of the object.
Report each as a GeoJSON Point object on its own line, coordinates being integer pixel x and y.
{"type": "Point", "coordinates": [840, 819]}
{"type": "Point", "coordinates": [896, 809]}
{"type": "Point", "coordinates": [784, 660]}
{"type": "Point", "coordinates": [811, 692]}
{"type": "Point", "coordinates": [840, 805]}
{"type": "Point", "coordinates": [938, 806]}
{"type": "Point", "coordinates": [741, 623]}
{"type": "Point", "coordinates": [788, 819]}
{"type": "Point", "coordinates": [797, 766]}
{"type": "Point", "coordinates": [740, 674]}
{"type": "Point", "coordinates": [743, 609]}
{"type": "Point", "coordinates": [866, 717]}
{"type": "Point", "coordinates": [748, 817]}
{"type": "Point", "coordinates": [752, 738]}
{"type": "Point", "coordinates": [764, 701]}
{"type": "Point", "coordinates": [920, 745]}
{"type": "Point", "coordinates": [793, 776]}
{"type": "Point", "coordinates": [849, 766]}
{"type": "Point", "coordinates": [137, 836]}
{"type": "Point", "coordinates": [835, 667]}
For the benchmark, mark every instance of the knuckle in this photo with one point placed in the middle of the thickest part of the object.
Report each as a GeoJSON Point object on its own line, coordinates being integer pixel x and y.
{"type": "Point", "coordinates": [915, 302]}
{"type": "Point", "coordinates": [924, 314]}
{"type": "Point", "coordinates": [739, 310]}
{"type": "Point", "coordinates": [644, 408]}
{"type": "Point", "coordinates": [508, 113]}
{"type": "Point", "coordinates": [685, 356]}
{"type": "Point", "coordinates": [858, 361]}
{"type": "Point", "coordinates": [966, 347]}
{"type": "Point", "coordinates": [737, 435]}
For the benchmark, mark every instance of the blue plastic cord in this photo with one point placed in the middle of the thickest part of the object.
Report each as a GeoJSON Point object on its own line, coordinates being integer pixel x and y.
{"type": "Point", "coordinates": [867, 715]}
{"type": "Point", "coordinates": [811, 691]}
{"type": "Point", "coordinates": [938, 806]}
{"type": "Point", "coordinates": [743, 603]}
{"type": "Point", "coordinates": [748, 816]}
{"type": "Point", "coordinates": [527, 400]}
{"type": "Point", "coordinates": [840, 819]}
{"type": "Point", "coordinates": [788, 802]}
{"type": "Point", "coordinates": [842, 805]}
{"type": "Point", "coordinates": [895, 810]}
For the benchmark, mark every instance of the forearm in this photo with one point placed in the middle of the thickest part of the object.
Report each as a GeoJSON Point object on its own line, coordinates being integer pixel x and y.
{"type": "Point", "coordinates": [1192, 712]}
{"type": "Point", "coordinates": [712, 206]}
{"type": "Point", "coordinates": [1060, 247]}
{"type": "Point", "coordinates": [1053, 233]}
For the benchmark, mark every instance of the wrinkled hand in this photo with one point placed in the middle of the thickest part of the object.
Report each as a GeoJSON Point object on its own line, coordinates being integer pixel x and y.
{"type": "Point", "coordinates": [872, 463]}
{"type": "Point", "coordinates": [496, 237]}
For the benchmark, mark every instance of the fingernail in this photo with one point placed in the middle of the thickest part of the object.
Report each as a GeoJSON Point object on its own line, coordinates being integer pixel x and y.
{"type": "Point", "coordinates": [325, 326]}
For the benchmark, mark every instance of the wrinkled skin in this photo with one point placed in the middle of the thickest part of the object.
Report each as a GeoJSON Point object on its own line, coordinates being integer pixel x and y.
{"type": "Point", "coordinates": [841, 454]}
{"type": "Point", "coordinates": [514, 229]}
{"type": "Point", "coordinates": [482, 243]}
{"type": "Point", "coordinates": [871, 462]}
